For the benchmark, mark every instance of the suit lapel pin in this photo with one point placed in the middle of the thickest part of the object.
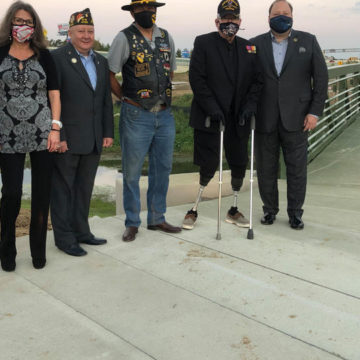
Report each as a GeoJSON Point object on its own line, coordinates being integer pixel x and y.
{"type": "Point", "coordinates": [302, 50]}
{"type": "Point", "coordinates": [296, 39]}
{"type": "Point", "coordinates": [74, 60]}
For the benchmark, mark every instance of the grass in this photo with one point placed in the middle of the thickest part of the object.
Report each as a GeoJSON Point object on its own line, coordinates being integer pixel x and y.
{"type": "Point", "coordinates": [98, 207]}
{"type": "Point", "coordinates": [101, 208]}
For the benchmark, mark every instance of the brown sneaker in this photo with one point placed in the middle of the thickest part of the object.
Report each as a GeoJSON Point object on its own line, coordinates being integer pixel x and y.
{"type": "Point", "coordinates": [189, 220]}
{"type": "Point", "coordinates": [234, 216]}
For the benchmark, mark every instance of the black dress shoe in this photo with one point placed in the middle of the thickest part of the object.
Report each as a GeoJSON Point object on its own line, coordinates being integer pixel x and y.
{"type": "Point", "coordinates": [268, 219]}
{"type": "Point", "coordinates": [130, 234]}
{"type": "Point", "coordinates": [93, 241]}
{"type": "Point", "coordinates": [296, 222]}
{"type": "Point", "coordinates": [8, 264]}
{"type": "Point", "coordinates": [166, 227]}
{"type": "Point", "coordinates": [38, 263]}
{"type": "Point", "coordinates": [74, 250]}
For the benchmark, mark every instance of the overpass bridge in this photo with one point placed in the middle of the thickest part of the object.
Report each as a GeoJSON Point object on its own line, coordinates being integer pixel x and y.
{"type": "Point", "coordinates": [352, 50]}
{"type": "Point", "coordinates": [285, 295]}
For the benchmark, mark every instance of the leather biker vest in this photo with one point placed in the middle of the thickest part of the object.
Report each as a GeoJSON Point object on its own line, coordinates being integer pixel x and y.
{"type": "Point", "coordinates": [146, 74]}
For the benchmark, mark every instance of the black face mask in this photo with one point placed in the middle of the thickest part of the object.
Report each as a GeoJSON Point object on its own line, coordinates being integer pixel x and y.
{"type": "Point", "coordinates": [281, 23]}
{"type": "Point", "coordinates": [146, 19]}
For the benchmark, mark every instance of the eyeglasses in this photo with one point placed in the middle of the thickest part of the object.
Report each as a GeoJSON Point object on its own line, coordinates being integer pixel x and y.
{"type": "Point", "coordinates": [21, 21]}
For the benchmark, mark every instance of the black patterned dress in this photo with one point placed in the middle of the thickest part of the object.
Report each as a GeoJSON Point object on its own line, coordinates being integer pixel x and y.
{"type": "Point", "coordinates": [25, 115]}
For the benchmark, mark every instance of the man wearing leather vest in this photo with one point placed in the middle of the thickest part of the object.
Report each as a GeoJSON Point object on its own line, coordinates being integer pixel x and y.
{"type": "Point", "coordinates": [145, 54]}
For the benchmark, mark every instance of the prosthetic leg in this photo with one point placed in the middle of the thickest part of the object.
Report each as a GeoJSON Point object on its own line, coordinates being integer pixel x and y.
{"type": "Point", "coordinates": [234, 216]}
{"type": "Point", "coordinates": [191, 216]}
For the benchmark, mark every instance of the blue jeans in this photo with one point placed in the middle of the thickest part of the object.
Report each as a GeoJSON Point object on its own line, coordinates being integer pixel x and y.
{"type": "Point", "coordinates": [143, 132]}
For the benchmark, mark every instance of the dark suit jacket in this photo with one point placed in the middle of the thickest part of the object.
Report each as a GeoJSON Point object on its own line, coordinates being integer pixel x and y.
{"type": "Point", "coordinates": [86, 114]}
{"type": "Point", "coordinates": [213, 84]}
{"type": "Point", "coordinates": [300, 89]}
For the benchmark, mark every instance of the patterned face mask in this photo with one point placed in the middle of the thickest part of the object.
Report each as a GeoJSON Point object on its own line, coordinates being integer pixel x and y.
{"type": "Point", "coordinates": [229, 29]}
{"type": "Point", "coordinates": [22, 33]}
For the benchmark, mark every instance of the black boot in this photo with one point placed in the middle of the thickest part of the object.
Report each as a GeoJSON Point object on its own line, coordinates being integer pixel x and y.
{"type": "Point", "coordinates": [8, 264]}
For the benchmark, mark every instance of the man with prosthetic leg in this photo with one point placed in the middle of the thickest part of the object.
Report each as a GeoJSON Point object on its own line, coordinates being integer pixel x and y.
{"type": "Point", "coordinates": [225, 78]}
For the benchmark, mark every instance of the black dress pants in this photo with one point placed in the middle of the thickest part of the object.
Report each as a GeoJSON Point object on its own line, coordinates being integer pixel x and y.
{"type": "Point", "coordinates": [73, 182]}
{"type": "Point", "coordinates": [12, 173]}
{"type": "Point", "coordinates": [267, 150]}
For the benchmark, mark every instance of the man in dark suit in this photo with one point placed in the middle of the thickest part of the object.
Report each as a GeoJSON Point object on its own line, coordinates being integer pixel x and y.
{"type": "Point", "coordinates": [292, 100]}
{"type": "Point", "coordinates": [88, 125]}
{"type": "Point", "coordinates": [226, 82]}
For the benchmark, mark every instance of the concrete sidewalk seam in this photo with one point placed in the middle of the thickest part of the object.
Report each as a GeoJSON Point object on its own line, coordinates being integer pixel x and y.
{"type": "Point", "coordinates": [228, 308]}
{"type": "Point", "coordinates": [88, 318]}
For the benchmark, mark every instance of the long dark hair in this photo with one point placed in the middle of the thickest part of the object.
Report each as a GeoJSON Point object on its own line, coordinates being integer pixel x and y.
{"type": "Point", "coordinates": [37, 41]}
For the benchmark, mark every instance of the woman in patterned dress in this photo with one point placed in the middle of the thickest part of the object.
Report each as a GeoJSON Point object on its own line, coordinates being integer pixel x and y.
{"type": "Point", "coordinates": [29, 123]}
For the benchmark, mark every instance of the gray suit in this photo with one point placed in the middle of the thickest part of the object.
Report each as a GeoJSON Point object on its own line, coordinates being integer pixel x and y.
{"type": "Point", "coordinates": [87, 117]}
{"type": "Point", "coordinates": [299, 89]}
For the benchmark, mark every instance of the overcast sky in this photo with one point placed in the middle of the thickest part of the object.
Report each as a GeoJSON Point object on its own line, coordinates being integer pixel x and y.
{"type": "Point", "coordinates": [335, 23]}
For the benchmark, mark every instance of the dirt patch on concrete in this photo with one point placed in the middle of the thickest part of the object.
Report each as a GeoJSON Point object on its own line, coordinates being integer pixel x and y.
{"type": "Point", "coordinates": [201, 253]}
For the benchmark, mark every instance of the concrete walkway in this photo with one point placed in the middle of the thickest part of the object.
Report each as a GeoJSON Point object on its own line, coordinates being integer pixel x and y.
{"type": "Point", "coordinates": [287, 295]}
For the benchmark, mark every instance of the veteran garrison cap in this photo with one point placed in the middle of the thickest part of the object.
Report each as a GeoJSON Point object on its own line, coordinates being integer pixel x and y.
{"type": "Point", "coordinates": [142, 2]}
{"type": "Point", "coordinates": [81, 18]}
{"type": "Point", "coordinates": [229, 7]}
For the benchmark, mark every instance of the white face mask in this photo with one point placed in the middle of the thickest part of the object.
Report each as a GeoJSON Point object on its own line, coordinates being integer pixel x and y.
{"type": "Point", "coordinates": [22, 33]}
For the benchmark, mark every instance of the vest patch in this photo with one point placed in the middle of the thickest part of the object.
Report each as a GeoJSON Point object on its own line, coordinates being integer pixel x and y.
{"type": "Point", "coordinates": [140, 57]}
{"type": "Point", "coordinates": [144, 93]}
{"type": "Point", "coordinates": [142, 69]}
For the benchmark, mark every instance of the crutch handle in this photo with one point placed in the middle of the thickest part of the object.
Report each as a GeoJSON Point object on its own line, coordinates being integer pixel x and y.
{"type": "Point", "coordinates": [253, 122]}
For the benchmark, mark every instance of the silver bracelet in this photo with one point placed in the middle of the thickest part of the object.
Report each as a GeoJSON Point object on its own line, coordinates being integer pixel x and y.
{"type": "Point", "coordinates": [57, 122]}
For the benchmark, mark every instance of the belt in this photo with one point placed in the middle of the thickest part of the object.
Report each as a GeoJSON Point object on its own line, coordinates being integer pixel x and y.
{"type": "Point", "coordinates": [155, 108]}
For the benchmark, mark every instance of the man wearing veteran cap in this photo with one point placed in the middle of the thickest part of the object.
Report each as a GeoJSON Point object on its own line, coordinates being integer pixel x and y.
{"type": "Point", "coordinates": [88, 126]}
{"type": "Point", "coordinates": [226, 82]}
{"type": "Point", "coordinates": [292, 100]}
{"type": "Point", "coordinates": [145, 54]}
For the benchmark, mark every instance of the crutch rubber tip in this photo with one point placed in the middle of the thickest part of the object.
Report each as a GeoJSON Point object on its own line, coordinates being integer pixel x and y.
{"type": "Point", "coordinates": [218, 236]}
{"type": "Point", "coordinates": [250, 234]}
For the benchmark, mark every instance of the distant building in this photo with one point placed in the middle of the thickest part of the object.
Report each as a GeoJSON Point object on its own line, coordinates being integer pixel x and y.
{"type": "Point", "coordinates": [63, 29]}
{"type": "Point", "coordinates": [185, 54]}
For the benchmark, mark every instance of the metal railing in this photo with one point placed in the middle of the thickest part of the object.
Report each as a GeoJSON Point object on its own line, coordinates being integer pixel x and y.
{"type": "Point", "coordinates": [341, 108]}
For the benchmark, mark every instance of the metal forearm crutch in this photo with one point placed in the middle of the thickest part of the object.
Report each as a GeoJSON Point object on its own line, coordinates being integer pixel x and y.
{"type": "Point", "coordinates": [250, 234]}
{"type": "Point", "coordinates": [222, 128]}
